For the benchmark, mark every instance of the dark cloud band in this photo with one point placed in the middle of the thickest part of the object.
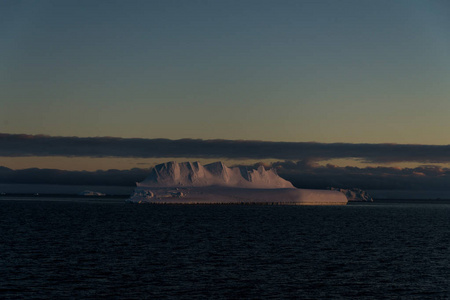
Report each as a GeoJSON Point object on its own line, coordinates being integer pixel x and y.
{"type": "Point", "coordinates": [301, 174]}
{"type": "Point", "coordinates": [64, 177]}
{"type": "Point", "coordinates": [40, 145]}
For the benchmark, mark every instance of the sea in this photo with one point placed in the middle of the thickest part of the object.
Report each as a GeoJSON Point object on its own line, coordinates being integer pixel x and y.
{"type": "Point", "coordinates": [76, 248]}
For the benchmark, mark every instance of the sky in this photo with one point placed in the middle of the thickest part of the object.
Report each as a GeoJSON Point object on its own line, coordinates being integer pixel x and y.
{"type": "Point", "coordinates": [281, 72]}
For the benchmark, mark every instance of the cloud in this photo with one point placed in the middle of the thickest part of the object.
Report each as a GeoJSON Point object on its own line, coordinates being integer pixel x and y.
{"type": "Point", "coordinates": [63, 177]}
{"type": "Point", "coordinates": [41, 145]}
{"type": "Point", "coordinates": [423, 177]}
{"type": "Point", "coordinates": [302, 174]}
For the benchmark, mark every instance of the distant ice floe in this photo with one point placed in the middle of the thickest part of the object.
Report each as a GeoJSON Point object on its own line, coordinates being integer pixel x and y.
{"type": "Point", "coordinates": [355, 194]}
{"type": "Point", "coordinates": [90, 193]}
{"type": "Point", "coordinates": [193, 183]}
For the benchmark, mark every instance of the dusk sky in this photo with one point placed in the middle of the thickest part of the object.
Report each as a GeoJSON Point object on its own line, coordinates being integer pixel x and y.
{"type": "Point", "coordinates": [357, 73]}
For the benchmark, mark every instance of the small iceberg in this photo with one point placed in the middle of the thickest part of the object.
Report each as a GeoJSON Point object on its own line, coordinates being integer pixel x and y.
{"type": "Point", "coordinates": [91, 193]}
{"type": "Point", "coordinates": [355, 194]}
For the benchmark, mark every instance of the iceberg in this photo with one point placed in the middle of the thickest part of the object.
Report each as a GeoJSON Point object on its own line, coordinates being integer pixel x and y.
{"type": "Point", "coordinates": [354, 194]}
{"type": "Point", "coordinates": [215, 183]}
{"type": "Point", "coordinates": [90, 193]}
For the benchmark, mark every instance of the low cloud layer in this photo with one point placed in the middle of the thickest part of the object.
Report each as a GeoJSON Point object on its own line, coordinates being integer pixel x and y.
{"type": "Point", "coordinates": [303, 174]}
{"type": "Point", "coordinates": [309, 175]}
{"type": "Point", "coordinates": [63, 177]}
{"type": "Point", "coordinates": [40, 145]}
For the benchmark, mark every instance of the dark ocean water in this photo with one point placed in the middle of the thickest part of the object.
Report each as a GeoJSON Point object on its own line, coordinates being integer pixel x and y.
{"type": "Point", "coordinates": [93, 249]}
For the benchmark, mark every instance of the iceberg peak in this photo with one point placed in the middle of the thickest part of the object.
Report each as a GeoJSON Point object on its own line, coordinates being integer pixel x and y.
{"type": "Point", "coordinates": [193, 174]}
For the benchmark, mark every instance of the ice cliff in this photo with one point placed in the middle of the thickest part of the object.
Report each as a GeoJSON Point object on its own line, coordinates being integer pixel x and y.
{"type": "Point", "coordinates": [193, 174]}
{"type": "Point", "coordinates": [193, 183]}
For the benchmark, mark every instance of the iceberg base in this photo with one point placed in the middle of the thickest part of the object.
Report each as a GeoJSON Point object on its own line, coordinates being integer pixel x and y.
{"type": "Point", "coordinates": [221, 195]}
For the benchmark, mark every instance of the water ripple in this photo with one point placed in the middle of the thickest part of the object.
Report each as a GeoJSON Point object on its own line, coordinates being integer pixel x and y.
{"type": "Point", "coordinates": [53, 249]}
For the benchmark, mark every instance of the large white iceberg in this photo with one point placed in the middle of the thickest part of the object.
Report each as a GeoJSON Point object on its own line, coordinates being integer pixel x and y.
{"type": "Point", "coordinates": [193, 183]}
